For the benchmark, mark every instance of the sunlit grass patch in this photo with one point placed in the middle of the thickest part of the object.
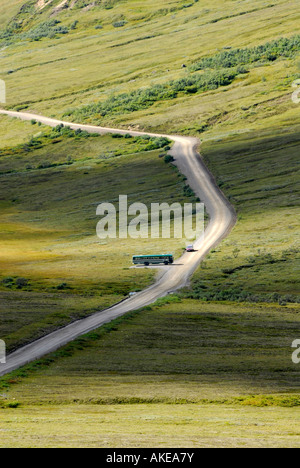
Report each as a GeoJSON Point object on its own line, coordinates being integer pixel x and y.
{"type": "Point", "coordinates": [49, 245]}
{"type": "Point", "coordinates": [192, 352]}
{"type": "Point", "coordinates": [260, 260]}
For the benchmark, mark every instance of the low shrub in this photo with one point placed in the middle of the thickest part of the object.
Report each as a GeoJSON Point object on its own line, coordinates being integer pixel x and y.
{"type": "Point", "coordinates": [145, 98]}
{"type": "Point", "coordinates": [268, 52]}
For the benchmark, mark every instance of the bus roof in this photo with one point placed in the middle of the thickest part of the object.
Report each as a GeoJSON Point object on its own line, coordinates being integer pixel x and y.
{"type": "Point", "coordinates": [151, 256]}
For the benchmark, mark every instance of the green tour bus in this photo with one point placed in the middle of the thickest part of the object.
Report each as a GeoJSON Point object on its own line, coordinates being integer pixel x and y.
{"type": "Point", "coordinates": [152, 259]}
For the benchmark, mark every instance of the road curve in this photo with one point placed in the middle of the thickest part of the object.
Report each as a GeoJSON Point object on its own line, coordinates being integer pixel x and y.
{"type": "Point", "coordinates": [222, 219]}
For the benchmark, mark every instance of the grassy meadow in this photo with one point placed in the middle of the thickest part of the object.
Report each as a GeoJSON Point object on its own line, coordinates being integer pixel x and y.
{"type": "Point", "coordinates": [201, 353]}
{"type": "Point", "coordinates": [147, 426]}
{"type": "Point", "coordinates": [83, 67]}
{"type": "Point", "coordinates": [210, 375]}
{"type": "Point", "coordinates": [51, 256]}
{"type": "Point", "coordinates": [260, 260]}
{"type": "Point", "coordinates": [210, 366]}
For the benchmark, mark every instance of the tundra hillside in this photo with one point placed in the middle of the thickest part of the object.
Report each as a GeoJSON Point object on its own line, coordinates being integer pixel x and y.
{"type": "Point", "coordinates": [210, 366]}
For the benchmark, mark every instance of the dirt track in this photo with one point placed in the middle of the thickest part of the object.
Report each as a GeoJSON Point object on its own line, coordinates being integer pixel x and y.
{"type": "Point", "coordinates": [222, 220]}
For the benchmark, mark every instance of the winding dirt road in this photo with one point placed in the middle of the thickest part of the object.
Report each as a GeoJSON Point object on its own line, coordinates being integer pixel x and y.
{"type": "Point", "coordinates": [222, 219]}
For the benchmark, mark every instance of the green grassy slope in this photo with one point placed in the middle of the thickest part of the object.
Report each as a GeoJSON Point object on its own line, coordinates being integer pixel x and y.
{"type": "Point", "coordinates": [83, 66]}
{"type": "Point", "coordinates": [209, 375]}
{"type": "Point", "coordinates": [150, 426]}
{"type": "Point", "coordinates": [14, 132]}
{"type": "Point", "coordinates": [8, 10]}
{"type": "Point", "coordinates": [226, 362]}
{"type": "Point", "coordinates": [200, 352]}
{"type": "Point", "coordinates": [50, 254]}
{"type": "Point", "coordinates": [260, 260]}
